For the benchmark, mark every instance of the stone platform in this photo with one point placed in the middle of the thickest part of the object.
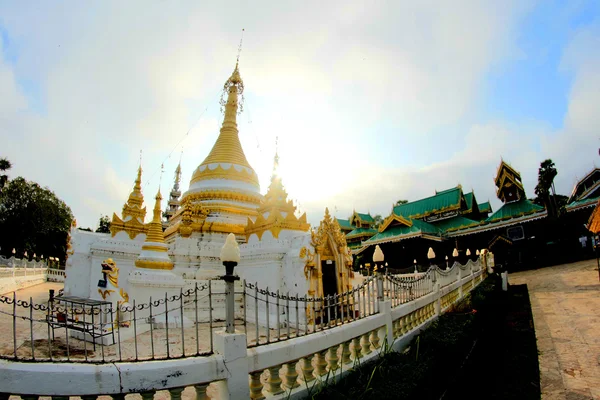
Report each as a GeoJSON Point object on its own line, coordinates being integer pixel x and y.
{"type": "Point", "coordinates": [565, 301]}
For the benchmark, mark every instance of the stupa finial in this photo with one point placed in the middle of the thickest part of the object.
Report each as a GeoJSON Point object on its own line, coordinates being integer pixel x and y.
{"type": "Point", "coordinates": [276, 160]}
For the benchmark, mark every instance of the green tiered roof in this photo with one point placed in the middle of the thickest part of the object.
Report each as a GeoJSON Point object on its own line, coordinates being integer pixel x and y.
{"type": "Point", "coordinates": [365, 217]}
{"type": "Point", "coordinates": [344, 224]}
{"type": "Point", "coordinates": [469, 200]}
{"type": "Point", "coordinates": [514, 210]}
{"type": "Point", "coordinates": [418, 228]}
{"type": "Point", "coordinates": [361, 232]}
{"type": "Point", "coordinates": [485, 207]}
{"type": "Point", "coordinates": [442, 201]}
{"type": "Point", "coordinates": [455, 223]}
{"type": "Point", "coordinates": [582, 203]}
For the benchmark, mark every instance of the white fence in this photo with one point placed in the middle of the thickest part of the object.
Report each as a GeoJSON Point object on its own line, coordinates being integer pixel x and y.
{"type": "Point", "coordinates": [288, 368]}
{"type": "Point", "coordinates": [16, 274]}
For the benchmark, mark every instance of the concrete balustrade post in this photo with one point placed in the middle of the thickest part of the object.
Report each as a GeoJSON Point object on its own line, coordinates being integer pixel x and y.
{"type": "Point", "coordinates": [274, 381]}
{"type": "Point", "coordinates": [385, 308]}
{"type": "Point", "coordinates": [232, 346]}
{"type": "Point", "coordinates": [291, 375]}
{"type": "Point", "coordinates": [307, 369]}
{"type": "Point", "coordinates": [176, 393]}
{"type": "Point", "coordinates": [366, 345]}
{"type": "Point", "coordinates": [145, 396]}
{"type": "Point", "coordinates": [438, 301]}
{"type": "Point", "coordinates": [321, 363]}
{"type": "Point", "coordinates": [256, 386]}
{"type": "Point", "coordinates": [333, 359]}
{"type": "Point", "coordinates": [201, 392]}
{"type": "Point", "coordinates": [346, 353]}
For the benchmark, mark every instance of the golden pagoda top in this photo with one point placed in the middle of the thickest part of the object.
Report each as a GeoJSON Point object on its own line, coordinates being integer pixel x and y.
{"type": "Point", "coordinates": [228, 149]}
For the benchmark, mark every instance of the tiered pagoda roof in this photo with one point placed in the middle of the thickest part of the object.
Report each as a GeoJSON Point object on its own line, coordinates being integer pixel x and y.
{"type": "Point", "coordinates": [586, 192]}
{"type": "Point", "coordinates": [132, 217]}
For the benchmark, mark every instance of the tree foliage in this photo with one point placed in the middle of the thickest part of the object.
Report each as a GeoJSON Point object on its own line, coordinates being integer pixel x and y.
{"type": "Point", "coordinates": [103, 224]}
{"type": "Point", "coordinates": [5, 165]}
{"type": "Point", "coordinates": [378, 220]}
{"type": "Point", "coordinates": [33, 219]}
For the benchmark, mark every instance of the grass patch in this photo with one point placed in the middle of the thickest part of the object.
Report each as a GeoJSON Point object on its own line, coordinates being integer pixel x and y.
{"type": "Point", "coordinates": [466, 353]}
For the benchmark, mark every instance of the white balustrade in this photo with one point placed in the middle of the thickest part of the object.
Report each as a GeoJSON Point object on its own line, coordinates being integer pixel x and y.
{"type": "Point", "coordinates": [280, 369]}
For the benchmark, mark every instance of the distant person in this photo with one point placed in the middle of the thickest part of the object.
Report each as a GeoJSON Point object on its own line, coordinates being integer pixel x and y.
{"type": "Point", "coordinates": [583, 240]}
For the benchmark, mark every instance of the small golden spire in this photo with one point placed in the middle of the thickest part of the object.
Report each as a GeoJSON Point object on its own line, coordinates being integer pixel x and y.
{"type": "Point", "coordinates": [135, 197]}
{"type": "Point", "coordinates": [155, 232]}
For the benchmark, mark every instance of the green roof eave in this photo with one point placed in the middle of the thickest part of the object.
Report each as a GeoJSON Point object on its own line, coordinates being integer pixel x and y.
{"type": "Point", "coordinates": [515, 209]}
{"type": "Point", "coordinates": [362, 232]}
{"type": "Point", "coordinates": [455, 223]}
{"type": "Point", "coordinates": [579, 204]}
{"type": "Point", "coordinates": [400, 232]}
{"type": "Point", "coordinates": [445, 200]}
{"type": "Point", "coordinates": [485, 207]}
{"type": "Point", "coordinates": [344, 224]}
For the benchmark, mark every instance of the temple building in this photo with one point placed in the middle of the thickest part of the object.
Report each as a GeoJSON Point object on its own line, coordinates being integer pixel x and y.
{"type": "Point", "coordinates": [358, 228]}
{"type": "Point", "coordinates": [586, 192]}
{"type": "Point", "coordinates": [277, 248]}
{"type": "Point", "coordinates": [452, 219]}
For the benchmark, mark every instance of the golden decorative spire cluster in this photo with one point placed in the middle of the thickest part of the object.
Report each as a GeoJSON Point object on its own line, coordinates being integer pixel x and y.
{"type": "Point", "coordinates": [133, 214]}
{"type": "Point", "coordinates": [276, 212]}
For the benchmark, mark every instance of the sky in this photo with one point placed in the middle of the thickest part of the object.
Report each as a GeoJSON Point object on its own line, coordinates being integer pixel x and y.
{"type": "Point", "coordinates": [371, 102]}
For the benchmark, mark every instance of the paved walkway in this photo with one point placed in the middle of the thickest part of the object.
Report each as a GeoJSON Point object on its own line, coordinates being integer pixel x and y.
{"type": "Point", "coordinates": [565, 301]}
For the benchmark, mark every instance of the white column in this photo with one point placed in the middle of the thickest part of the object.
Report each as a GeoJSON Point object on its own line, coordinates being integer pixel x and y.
{"type": "Point", "coordinates": [232, 346]}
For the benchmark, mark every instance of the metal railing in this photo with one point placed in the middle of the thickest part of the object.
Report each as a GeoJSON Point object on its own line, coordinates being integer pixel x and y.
{"type": "Point", "coordinates": [181, 325]}
{"type": "Point", "coordinates": [70, 329]}
{"type": "Point", "coordinates": [277, 317]}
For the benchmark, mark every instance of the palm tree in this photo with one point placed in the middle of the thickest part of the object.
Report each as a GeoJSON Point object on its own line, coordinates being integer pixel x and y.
{"type": "Point", "coordinates": [5, 165]}
{"type": "Point", "coordinates": [546, 175]}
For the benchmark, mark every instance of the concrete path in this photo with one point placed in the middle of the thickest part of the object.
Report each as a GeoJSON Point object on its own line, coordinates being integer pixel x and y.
{"type": "Point", "coordinates": [565, 301]}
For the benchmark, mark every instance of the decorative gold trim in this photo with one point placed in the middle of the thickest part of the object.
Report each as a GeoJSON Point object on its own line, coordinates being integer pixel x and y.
{"type": "Point", "coordinates": [133, 227]}
{"type": "Point", "coordinates": [393, 217]}
{"type": "Point", "coordinates": [152, 264]}
{"type": "Point", "coordinates": [230, 173]}
{"type": "Point", "coordinates": [154, 248]}
{"type": "Point", "coordinates": [222, 194]}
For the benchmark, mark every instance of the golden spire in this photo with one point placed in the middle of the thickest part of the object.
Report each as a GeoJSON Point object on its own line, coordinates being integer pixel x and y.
{"type": "Point", "coordinates": [155, 232]}
{"type": "Point", "coordinates": [133, 214]}
{"type": "Point", "coordinates": [154, 251]}
{"type": "Point", "coordinates": [135, 197]}
{"type": "Point", "coordinates": [227, 148]}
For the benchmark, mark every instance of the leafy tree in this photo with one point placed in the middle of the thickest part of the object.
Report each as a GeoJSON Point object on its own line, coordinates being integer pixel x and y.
{"type": "Point", "coordinates": [400, 202]}
{"type": "Point", "coordinates": [546, 175]}
{"type": "Point", "coordinates": [5, 165]}
{"type": "Point", "coordinates": [378, 220]}
{"type": "Point", "coordinates": [103, 224]}
{"type": "Point", "coordinates": [33, 219]}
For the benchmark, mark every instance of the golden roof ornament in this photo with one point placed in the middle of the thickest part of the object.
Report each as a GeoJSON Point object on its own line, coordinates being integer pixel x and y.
{"type": "Point", "coordinates": [276, 212]}
{"type": "Point", "coordinates": [133, 215]}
